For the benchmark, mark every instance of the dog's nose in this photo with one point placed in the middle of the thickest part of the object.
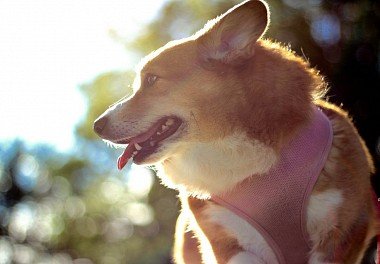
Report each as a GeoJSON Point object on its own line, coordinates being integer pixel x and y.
{"type": "Point", "coordinates": [100, 124]}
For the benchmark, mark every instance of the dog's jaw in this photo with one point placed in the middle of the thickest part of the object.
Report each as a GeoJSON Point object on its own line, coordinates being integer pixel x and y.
{"type": "Point", "coordinates": [216, 166]}
{"type": "Point", "coordinates": [147, 143]}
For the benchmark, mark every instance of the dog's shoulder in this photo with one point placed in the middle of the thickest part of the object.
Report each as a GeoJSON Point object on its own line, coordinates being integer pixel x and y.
{"type": "Point", "coordinates": [347, 141]}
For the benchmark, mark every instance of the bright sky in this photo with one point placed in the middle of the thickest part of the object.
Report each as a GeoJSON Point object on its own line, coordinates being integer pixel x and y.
{"type": "Point", "coordinates": [47, 49]}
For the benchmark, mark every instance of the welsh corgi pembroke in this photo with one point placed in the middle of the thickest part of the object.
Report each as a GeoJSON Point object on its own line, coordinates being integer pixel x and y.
{"type": "Point", "coordinates": [267, 172]}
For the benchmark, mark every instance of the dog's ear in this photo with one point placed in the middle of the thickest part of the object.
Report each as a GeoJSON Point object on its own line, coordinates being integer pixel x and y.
{"type": "Point", "coordinates": [229, 38]}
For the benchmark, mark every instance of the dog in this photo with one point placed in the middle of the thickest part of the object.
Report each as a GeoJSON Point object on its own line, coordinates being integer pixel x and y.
{"type": "Point", "coordinates": [267, 171]}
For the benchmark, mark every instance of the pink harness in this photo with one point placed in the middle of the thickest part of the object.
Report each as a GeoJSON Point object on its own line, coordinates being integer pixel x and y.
{"type": "Point", "coordinates": [275, 203]}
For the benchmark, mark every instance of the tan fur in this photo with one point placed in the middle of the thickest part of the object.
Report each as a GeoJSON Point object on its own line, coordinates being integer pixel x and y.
{"type": "Point", "coordinates": [227, 246]}
{"type": "Point", "coordinates": [243, 97]}
{"type": "Point", "coordinates": [348, 162]}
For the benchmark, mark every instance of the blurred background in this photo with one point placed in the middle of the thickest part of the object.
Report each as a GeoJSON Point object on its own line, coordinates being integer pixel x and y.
{"type": "Point", "coordinates": [63, 62]}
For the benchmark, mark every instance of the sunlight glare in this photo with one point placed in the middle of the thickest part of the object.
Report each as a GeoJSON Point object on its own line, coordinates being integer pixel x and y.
{"type": "Point", "coordinates": [48, 49]}
{"type": "Point", "coordinates": [22, 220]}
{"type": "Point", "coordinates": [140, 180]}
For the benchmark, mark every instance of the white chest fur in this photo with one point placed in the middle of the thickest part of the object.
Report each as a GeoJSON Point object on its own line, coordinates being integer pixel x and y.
{"type": "Point", "coordinates": [215, 166]}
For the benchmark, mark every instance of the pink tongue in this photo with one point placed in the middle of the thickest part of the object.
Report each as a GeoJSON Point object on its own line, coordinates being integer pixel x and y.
{"type": "Point", "coordinates": [127, 154]}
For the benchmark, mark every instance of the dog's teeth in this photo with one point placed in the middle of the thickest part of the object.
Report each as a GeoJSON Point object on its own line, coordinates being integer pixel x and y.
{"type": "Point", "coordinates": [137, 146]}
{"type": "Point", "coordinates": [152, 143]}
{"type": "Point", "coordinates": [134, 153]}
{"type": "Point", "coordinates": [169, 122]}
{"type": "Point", "coordinates": [164, 127]}
{"type": "Point", "coordinates": [158, 133]}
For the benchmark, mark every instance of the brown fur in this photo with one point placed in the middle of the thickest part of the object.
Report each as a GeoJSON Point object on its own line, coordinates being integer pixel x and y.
{"type": "Point", "coordinates": [349, 161]}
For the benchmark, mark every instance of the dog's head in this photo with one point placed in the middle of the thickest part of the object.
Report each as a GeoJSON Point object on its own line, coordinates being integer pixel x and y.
{"type": "Point", "coordinates": [222, 96]}
{"type": "Point", "coordinates": [187, 90]}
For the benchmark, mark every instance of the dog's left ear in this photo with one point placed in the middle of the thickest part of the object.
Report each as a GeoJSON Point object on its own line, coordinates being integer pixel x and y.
{"type": "Point", "coordinates": [229, 38]}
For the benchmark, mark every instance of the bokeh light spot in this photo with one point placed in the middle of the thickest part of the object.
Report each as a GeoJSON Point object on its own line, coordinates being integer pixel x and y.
{"type": "Point", "coordinates": [140, 213]}
{"type": "Point", "coordinates": [23, 254]}
{"type": "Point", "coordinates": [21, 220]}
{"type": "Point", "coordinates": [61, 187]}
{"type": "Point", "coordinates": [6, 251]}
{"type": "Point", "coordinates": [62, 258]}
{"type": "Point", "coordinates": [325, 29]}
{"type": "Point", "coordinates": [140, 181]}
{"type": "Point", "coordinates": [44, 182]}
{"type": "Point", "coordinates": [75, 207]}
{"type": "Point", "coordinates": [118, 229]}
{"type": "Point", "coordinates": [27, 175]}
{"type": "Point", "coordinates": [112, 191]}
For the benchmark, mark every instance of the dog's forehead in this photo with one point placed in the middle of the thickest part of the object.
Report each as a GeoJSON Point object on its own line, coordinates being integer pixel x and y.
{"type": "Point", "coordinates": [173, 58]}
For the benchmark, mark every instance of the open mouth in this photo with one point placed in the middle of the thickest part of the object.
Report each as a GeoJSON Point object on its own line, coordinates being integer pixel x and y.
{"type": "Point", "coordinates": [147, 143]}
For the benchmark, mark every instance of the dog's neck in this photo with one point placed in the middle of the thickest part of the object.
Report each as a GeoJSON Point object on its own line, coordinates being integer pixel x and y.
{"type": "Point", "coordinates": [203, 169]}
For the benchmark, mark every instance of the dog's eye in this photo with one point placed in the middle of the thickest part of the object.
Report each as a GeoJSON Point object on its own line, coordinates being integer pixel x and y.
{"type": "Point", "coordinates": [150, 79]}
